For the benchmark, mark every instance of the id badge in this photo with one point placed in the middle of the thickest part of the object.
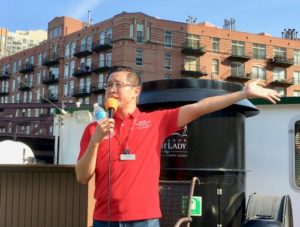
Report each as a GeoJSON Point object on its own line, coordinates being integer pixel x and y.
{"type": "Point", "coordinates": [127, 157]}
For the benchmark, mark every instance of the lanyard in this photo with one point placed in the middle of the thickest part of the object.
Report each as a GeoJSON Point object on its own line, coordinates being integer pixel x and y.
{"type": "Point", "coordinates": [125, 145]}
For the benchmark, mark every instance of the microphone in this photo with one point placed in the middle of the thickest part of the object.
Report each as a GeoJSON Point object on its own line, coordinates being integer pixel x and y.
{"type": "Point", "coordinates": [111, 106]}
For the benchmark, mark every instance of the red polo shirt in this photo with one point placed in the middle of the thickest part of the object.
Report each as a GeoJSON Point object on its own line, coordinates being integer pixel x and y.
{"type": "Point", "coordinates": [134, 183]}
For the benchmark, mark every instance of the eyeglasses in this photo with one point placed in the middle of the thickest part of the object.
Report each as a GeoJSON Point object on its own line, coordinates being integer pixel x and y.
{"type": "Point", "coordinates": [116, 85]}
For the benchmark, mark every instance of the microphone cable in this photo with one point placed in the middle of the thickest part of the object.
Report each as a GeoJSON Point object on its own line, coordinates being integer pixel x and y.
{"type": "Point", "coordinates": [108, 177]}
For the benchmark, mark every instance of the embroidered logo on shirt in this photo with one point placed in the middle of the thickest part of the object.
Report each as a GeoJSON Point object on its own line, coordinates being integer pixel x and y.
{"type": "Point", "coordinates": [143, 124]}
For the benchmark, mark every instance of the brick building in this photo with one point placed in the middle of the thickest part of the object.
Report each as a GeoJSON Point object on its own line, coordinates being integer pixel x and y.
{"type": "Point", "coordinates": [73, 63]}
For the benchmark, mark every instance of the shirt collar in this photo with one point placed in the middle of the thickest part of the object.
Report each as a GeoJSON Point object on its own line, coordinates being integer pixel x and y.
{"type": "Point", "coordinates": [133, 115]}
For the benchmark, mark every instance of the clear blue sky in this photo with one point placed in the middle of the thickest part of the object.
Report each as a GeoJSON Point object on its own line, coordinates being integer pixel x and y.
{"type": "Point", "coordinates": [253, 16]}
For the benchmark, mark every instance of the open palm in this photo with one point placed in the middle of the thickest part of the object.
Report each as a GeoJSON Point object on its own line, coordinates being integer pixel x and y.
{"type": "Point", "coordinates": [255, 90]}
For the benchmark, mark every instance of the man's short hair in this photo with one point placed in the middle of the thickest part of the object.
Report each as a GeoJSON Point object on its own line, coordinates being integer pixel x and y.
{"type": "Point", "coordinates": [131, 75]}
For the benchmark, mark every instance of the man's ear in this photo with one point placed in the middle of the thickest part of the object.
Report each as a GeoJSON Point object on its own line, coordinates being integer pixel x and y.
{"type": "Point", "coordinates": [137, 90]}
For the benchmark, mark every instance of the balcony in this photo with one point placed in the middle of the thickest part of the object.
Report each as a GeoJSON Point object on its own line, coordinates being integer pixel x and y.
{"type": "Point", "coordinates": [25, 86]}
{"type": "Point", "coordinates": [98, 89]}
{"type": "Point", "coordinates": [51, 60]}
{"type": "Point", "coordinates": [104, 66]}
{"type": "Point", "coordinates": [193, 48]}
{"type": "Point", "coordinates": [281, 82]}
{"type": "Point", "coordinates": [53, 97]}
{"type": "Point", "coordinates": [82, 71]}
{"type": "Point", "coordinates": [5, 76]}
{"type": "Point", "coordinates": [82, 51]}
{"type": "Point", "coordinates": [193, 69]}
{"type": "Point", "coordinates": [50, 79]}
{"type": "Point", "coordinates": [82, 91]}
{"type": "Point", "coordinates": [26, 68]}
{"type": "Point", "coordinates": [102, 45]}
{"type": "Point", "coordinates": [241, 77]}
{"type": "Point", "coordinates": [239, 56]}
{"type": "Point", "coordinates": [281, 61]}
{"type": "Point", "coordinates": [4, 91]}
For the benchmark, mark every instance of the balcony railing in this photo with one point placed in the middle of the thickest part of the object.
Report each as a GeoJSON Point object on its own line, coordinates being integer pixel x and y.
{"type": "Point", "coordinates": [193, 48]}
{"type": "Point", "coordinates": [82, 91]}
{"type": "Point", "coordinates": [282, 82]}
{"type": "Point", "coordinates": [98, 89]}
{"type": "Point", "coordinates": [82, 51]}
{"type": "Point", "coordinates": [53, 97]}
{"type": "Point", "coordinates": [193, 69]}
{"type": "Point", "coordinates": [4, 91]}
{"type": "Point", "coordinates": [103, 66]}
{"type": "Point", "coordinates": [5, 75]}
{"type": "Point", "coordinates": [102, 45]}
{"type": "Point", "coordinates": [281, 61]}
{"type": "Point", "coordinates": [52, 60]}
{"type": "Point", "coordinates": [239, 56]}
{"type": "Point", "coordinates": [83, 70]}
{"type": "Point", "coordinates": [239, 77]}
{"type": "Point", "coordinates": [26, 68]}
{"type": "Point", "coordinates": [26, 85]}
{"type": "Point", "coordinates": [50, 79]}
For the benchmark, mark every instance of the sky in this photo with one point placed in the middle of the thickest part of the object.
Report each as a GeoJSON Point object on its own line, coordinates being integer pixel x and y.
{"type": "Point", "coordinates": [254, 16]}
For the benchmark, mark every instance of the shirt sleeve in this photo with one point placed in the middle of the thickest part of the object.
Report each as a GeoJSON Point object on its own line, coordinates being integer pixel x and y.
{"type": "Point", "coordinates": [170, 121]}
{"type": "Point", "coordinates": [85, 139]}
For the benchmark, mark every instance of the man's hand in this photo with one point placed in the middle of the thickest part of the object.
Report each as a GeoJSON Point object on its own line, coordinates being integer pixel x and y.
{"type": "Point", "coordinates": [104, 127]}
{"type": "Point", "coordinates": [254, 90]}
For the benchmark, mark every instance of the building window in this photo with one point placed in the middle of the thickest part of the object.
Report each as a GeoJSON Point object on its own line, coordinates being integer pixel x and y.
{"type": "Point", "coordinates": [192, 41]}
{"type": "Point", "coordinates": [101, 60]}
{"type": "Point", "coordinates": [258, 72]}
{"type": "Point", "coordinates": [73, 47]}
{"type": "Point", "coordinates": [66, 71]}
{"type": "Point", "coordinates": [296, 77]}
{"type": "Point", "coordinates": [168, 39]}
{"type": "Point", "coordinates": [296, 155]}
{"type": "Point", "coordinates": [38, 79]}
{"type": "Point", "coordinates": [167, 61]}
{"type": "Point", "coordinates": [191, 64]}
{"type": "Point", "coordinates": [297, 57]}
{"type": "Point", "coordinates": [259, 51]}
{"type": "Point", "coordinates": [40, 59]}
{"type": "Point", "coordinates": [139, 33]}
{"type": "Point", "coordinates": [280, 52]}
{"type": "Point", "coordinates": [109, 35]}
{"type": "Point", "coordinates": [215, 45]}
{"type": "Point", "coordinates": [102, 38]}
{"type": "Point", "coordinates": [280, 90]}
{"type": "Point", "coordinates": [108, 59]}
{"type": "Point", "coordinates": [238, 48]}
{"type": "Point", "coordinates": [296, 93]}
{"type": "Point", "coordinates": [89, 43]}
{"type": "Point", "coordinates": [168, 76]}
{"type": "Point", "coordinates": [66, 89]}
{"type": "Point", "coordinates": [83, 45]}
{"type": "Point", "coordinates": [101, 79]}
{"type": "Point", "coordinates": [100, 100]}
{"type": "Point", "coordinates": [237, 69]}
{"type": "Point", "coordinates": [67, 50]}
{"type": "Point", "coordinates": [72, 68]}
{"type": "Point", "coordinates": [139, 57]}
{"type": "Point", "coordinates": [215, 67]}
{"type": "Point", "coordinates": [71, 87]}
{"type": "Point", "coordinates": [279, 74]}
{"type": "Point", "coordinates": [131, 31]}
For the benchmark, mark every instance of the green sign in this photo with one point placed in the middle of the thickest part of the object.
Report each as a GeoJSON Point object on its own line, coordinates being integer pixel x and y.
{"type": "Point", "coordinates": [196, 207]}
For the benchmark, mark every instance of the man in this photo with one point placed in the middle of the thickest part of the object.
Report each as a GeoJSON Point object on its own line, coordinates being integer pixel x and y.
{"type": "Point", "coordinates": [124, 151]}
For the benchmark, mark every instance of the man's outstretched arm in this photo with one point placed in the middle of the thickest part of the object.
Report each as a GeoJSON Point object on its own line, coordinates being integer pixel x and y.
{"type": "Point", "coordinates": [190, 112]}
